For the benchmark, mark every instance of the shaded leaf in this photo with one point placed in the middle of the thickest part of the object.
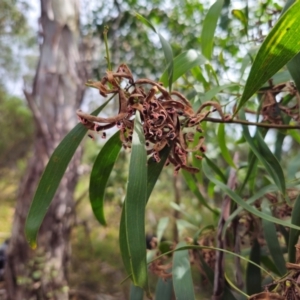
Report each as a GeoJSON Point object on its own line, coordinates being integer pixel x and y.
{"type": "Point", "coordinates": [51, 178]}
{"type": "Point", "coordinates": [136, 293]}
{"type": "Point", "coordinates": [164, 289]}
{"type": "Point", "coordinates": [294, 233]}
{"type": "Point", "coordinates": [100, 173]}
{"type": "Point", "coordinates": [135, 203]}
{"type": "Point", "coordinates": [266, 157]}
{"type": "Point", "coordinates": [279, 47]}
{"type": "Point", "coordinates": [253, 274]}
{"type": "Point", "coordinates": [191, 183]}
{"type": "Point", "coordinates": [154, 170]}
{"type": "Point", "coordinates": [182, 277]}
{"type": "Point", "coordinates": [271, 238]}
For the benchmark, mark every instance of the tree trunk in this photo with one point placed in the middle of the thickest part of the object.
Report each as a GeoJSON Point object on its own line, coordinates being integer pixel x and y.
{"type": "Point", "coordinates": [57, 92]}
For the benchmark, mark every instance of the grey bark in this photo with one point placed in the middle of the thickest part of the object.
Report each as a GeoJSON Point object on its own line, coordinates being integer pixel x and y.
{"type": "Point", "coordinates": [56, 93]}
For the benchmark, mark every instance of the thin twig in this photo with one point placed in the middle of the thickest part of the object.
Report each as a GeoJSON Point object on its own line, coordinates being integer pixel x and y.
{"type": "Point", "coordinates": [243, 122]}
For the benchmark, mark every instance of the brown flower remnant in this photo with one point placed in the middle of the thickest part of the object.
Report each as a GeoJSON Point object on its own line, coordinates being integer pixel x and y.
{"type": "Point", "coordinates": [167, 117]}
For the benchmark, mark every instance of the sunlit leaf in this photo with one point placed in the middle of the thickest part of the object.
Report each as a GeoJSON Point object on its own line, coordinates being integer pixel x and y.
{"type": "Point", "coordinates": [145, 21]}
{"type": "Point", "coordinates": [166, 48]}
{"type": "Point", "coordinates": [183, 63]}
{"type": "Point", "coordinates": [279, 47]}
{"type": "Point", "coordinates": [209, 27]}
{"type": "Point", "coordinates": [169, 59]}
{"type": "Point", "coordinates": [100, 173]}
{"type": "Point", "coordinates": [223, 146]}
{"type": "Point", "coordinates": [51, 178]}
{"type": "Point", "coordinates": [161, 227]}
{"type": "Point", "coordinates": [240, 15]}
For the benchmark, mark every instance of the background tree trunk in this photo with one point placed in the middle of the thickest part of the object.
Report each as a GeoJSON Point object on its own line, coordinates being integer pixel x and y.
{"type": "Point", "coordinates": [57, 91]}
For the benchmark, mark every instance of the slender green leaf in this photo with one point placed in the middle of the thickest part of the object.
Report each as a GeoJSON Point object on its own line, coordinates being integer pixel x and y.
{"type": "Point", "coordinates": [136, 198]}
{"type": "Point", "coordinates": [253, 274]}
{"type": "Point", "coordinates": [209, 27]}
{"type": "Point", "coordinates": [164, 289]}
{"type": "Point", "coordinates": [294, 233]}
{"type": "Point", "coordinates": [191, 182]}
{"type": "Point", "coordinates": [235, 197]}
{"type": "Point", "coordinates": [217, 249]}
{"type": "Point", "coordinates": [266, 157]}
{"type": "Point", "coordinates": [279, 47]}
{"type": "Point", "coordinates": [161, 227]}
{"type": "Point", "coordinates": [215, 90]}
{"type": "Point", "coordinates": [166, 48]}
{"type": "Point", "coordinates": [267, 189]}
{"type": "Point", "coordinates": [183, 63]}
{"type": "Point", "coordinates": [136, 293]}
{"type": "Point", "coordinates": [241, 16]}
{"type": "Point", "coordinates": [51, 178]}
{"type": "Point", "coordinates": [271, 238]}
{"type": "Point", "coordinates": [169, 59]}
{"type": "Point", "coordinates": [100, 173]}
{"type": "Point", "coordinates": [182, 277]}
{"type": "Point", "coordinates": [269, 264]}
{"type": "Point", "coordinates": [144, 21]}
{"type": "Point", "coordinates": [154, 170]}
{"type": "Point", "coordinates": [223, 147]}
{"type": "Point", "coordinates": [216, 169]}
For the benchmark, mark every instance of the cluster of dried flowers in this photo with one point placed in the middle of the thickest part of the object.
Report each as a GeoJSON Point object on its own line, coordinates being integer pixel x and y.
{"type": "Point", "coordinates": [167, 118]}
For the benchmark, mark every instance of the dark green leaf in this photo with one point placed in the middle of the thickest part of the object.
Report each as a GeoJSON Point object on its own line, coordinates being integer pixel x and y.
{"type": "Point", "coordinates": [209, 27]}
{"type": "Point", "coordinates": [191, 182]}
{"type": "Point", "coordinates": [294, 233]}
{"type": "Point", "coordinates": [51, 178]}
{"type": "Point", "coordinates": [182, 277]}
{"type": "Point", "coordinates": [154, 169]}
{"type": "Point", "coordinates": [216, 169]}
{"type": "Point", "coordinates": [135, 204]}
{"type": "Point", "coordinates": [271, 238]}
{"type": "Point", "coordinates": [100, 173]}
{"type": "Point", "coordinates": [279, 47]}
{"type": "Point", "coordinates": [253, 274]}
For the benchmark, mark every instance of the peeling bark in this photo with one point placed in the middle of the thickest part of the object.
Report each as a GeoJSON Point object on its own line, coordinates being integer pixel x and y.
{"type": "Point", "coordinates": [57, 92]}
